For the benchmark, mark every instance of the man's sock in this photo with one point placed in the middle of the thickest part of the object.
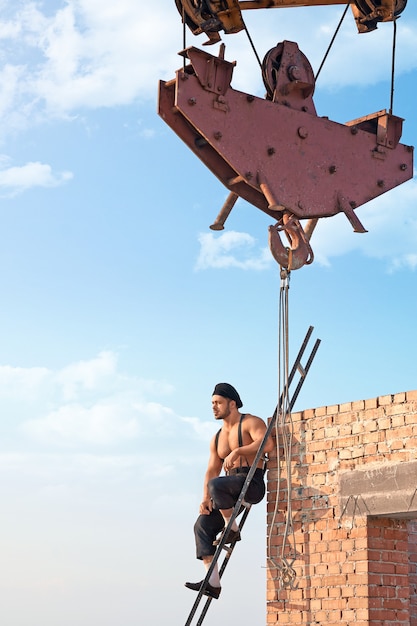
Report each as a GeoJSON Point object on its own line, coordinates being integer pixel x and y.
{"type": "Point", "coordinates": [227, 520]}
{"type": "Point", "coordinates": [214, 579]}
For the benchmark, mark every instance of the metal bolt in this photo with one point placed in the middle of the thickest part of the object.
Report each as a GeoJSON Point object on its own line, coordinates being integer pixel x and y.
{"type": "Point", "coordinates": [192, 101]}
{"type": "Point", "coordinates": [303, 132]}
{"type": "Point", "coordinates": [403, 167]}
{"type": "Point", "coordinates": [250, 98]}
{"type": "Point", "coordinates": [354, 130]}
{"type": "Point", "coordinates": [248, 175]}
{"type": "Point", "coordinates": [271, 151]}
{"type": "Point", "coordinates": [380, 183]}
{"type": "Point", "coordinates": [332, 169]}
{"type": "Point", "coordinates": [352, 204]}
{"type": "Point", "coordinates": [294, 72]}
{"type": "Point", "coordinates": [218, 135]}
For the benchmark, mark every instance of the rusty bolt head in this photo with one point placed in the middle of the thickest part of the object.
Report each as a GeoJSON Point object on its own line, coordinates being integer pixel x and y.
{"type": "Point", "coordinates": [380, 183]}
{"type": "Point", "coordinates": [248, 175]}
{"type": "Point", "coordinates": [294, 72]}
{"type": "Point", "coordinates": [192, 101]}
{"type": "Point", "coordinates": [354, 130]}
{"type": "Point", "coordinates": [332, 169]}
{"type": "Point", "coordinates": [403, 167]}
{"type": "Point", "coordinates": [250, 98]}
{"type": "Point", "coordinates": [302, 132]}
{"type": "Point", "coordinates": [218, 135]}
{"type": "Point", "coordinates": [271, 151]}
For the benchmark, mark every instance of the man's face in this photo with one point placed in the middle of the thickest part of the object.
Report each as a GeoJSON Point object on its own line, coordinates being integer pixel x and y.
{"type": "Point", "coordinates": [221, 407]}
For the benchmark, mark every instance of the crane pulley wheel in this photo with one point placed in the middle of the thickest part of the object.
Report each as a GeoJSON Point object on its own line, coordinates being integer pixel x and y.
{"type": "Point", "coordinates": [272, 63]}
{"type": "Point", "coordinates": [373, 7]}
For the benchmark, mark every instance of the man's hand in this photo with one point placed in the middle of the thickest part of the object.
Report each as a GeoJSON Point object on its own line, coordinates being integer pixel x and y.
{"type": "Point", "coordinates": [231, 459]}
{"type": "Point", "coordinates": [206, 507]}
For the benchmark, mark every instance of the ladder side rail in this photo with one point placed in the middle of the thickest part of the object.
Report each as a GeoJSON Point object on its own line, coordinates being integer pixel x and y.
{"type": "Point", "coordinates": [303, 376]}
{"type": "Point", "coordinates": [224, 565]}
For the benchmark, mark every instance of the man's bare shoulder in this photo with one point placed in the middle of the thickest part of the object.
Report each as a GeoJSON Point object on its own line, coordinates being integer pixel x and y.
{"type": "Point", "coordinates": [253, 420]}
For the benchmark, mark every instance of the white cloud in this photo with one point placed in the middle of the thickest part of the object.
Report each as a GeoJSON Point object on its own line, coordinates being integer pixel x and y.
{"type": "Point", "coordinates": [85, 54]}
{"type": "Point", "coordinates": [203, 430]}
{"type": "Point", "coordinates": [16, 179]}
{"type": "Point", "coordinates": [231, 249]}
{"type": "Point", "coordinates": [92, 375]}
{"type": "Point", "coordinates": [14, 379]}
{"type": "Point", "coordinates": [101, 424]}
{"type": "Point", "coordinates": [97, 53]}
{"type": "Point", "coordinates": [391, 221]}
{"type": "Point", "coordinates": [90, 404]}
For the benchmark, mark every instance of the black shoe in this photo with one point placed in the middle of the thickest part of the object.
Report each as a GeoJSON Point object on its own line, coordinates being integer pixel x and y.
{"type": "Point", "coordinates": [210, 591]}
{"type": "Point", "coordinates": [232, 537]}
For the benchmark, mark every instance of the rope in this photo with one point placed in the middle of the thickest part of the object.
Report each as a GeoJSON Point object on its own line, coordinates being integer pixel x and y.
{"type": "Point", "coordinates": [284, 433]}
{"type": "Point", "coordinates": [332, 40]}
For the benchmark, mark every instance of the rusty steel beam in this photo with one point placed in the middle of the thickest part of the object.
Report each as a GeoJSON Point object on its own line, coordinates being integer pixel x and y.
{"type": "Point", "coordinates": [278, 154]}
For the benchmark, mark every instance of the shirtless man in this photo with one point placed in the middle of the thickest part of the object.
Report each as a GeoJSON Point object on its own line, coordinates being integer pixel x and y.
{"type": "Point", "coordinates": [234, 449]}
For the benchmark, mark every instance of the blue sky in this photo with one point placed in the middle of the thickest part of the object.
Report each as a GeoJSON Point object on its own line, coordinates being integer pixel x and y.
{"type": "Point", "coordinates": [121, 310]}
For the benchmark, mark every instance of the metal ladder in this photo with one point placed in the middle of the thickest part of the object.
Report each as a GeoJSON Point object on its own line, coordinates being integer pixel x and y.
{"type": "Point", "coordinates": [302, 371]}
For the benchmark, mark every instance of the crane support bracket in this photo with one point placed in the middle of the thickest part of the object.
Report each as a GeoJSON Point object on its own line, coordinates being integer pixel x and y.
{"type": "Point", "coordinates": [212, 16]}
{"type": "Point", "coordinates": [278, 154]}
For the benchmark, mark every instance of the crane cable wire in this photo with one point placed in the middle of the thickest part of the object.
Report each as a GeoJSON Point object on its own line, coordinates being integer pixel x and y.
{"type": "Point", "coordinates": [394, 45]}
{"type": "Point", "coordinates": [329, 47]}
{"type": "Point", "coordinates": [284, 438]}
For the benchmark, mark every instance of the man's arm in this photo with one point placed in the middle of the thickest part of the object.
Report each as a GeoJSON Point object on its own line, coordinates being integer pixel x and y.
{"type": "Point", "coordinates": [214, 468]}
{"type": "Point", "coordinates": [256, 429]}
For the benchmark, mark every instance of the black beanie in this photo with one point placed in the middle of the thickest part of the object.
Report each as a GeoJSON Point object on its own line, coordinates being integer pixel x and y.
{"type": "Point", "coordinates": [227, 391]}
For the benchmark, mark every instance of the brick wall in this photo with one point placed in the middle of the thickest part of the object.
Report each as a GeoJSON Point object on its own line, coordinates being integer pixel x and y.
{"type": "Point", "coordinates": [347, 553]}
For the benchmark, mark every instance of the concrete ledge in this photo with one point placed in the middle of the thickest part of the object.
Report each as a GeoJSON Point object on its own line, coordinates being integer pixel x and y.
{"type": "Point", "coordinates": [387, 490]}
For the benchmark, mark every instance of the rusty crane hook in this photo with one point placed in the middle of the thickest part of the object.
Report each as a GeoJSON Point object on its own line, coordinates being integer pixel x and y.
{"type": "Point", "coordinates": [299, 252]}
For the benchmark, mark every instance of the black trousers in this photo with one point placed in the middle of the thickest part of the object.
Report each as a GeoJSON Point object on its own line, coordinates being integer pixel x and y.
{"type": "Point", "coordinates": [224, 492]}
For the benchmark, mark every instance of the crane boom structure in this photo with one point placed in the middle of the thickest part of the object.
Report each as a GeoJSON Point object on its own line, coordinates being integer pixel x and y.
{"type": "Point", "coordinates": [213, 16]}
{"type": "Point", "coordinates": [277, 153]}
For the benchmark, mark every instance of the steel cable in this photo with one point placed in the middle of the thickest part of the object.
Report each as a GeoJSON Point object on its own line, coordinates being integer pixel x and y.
{"type": "Point", "coordinates": [284, 435]}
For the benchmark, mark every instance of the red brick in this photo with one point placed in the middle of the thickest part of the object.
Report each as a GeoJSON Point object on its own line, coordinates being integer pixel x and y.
{"type": "Point", "coordinates": [347, 406]}
{"type": "Point", "coordinates": [384, 400]}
